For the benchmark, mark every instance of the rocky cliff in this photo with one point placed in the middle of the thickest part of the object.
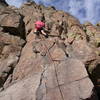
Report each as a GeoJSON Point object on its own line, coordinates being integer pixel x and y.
{"type": "Point", "coordinates": [64, 66]}
{"type": "Point", "coordinates": [3, 4]}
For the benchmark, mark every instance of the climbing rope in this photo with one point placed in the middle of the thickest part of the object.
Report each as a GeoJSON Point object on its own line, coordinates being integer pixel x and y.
{"type": "Point", "coordinates": [54, 68]}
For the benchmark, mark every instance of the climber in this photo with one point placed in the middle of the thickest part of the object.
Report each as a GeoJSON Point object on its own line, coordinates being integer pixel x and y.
{"type": "Point", "coordinates": [40, 28]}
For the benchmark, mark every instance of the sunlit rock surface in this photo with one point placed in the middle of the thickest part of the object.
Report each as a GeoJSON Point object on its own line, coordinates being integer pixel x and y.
{"type": "Point", "coordinates": [55, 68]}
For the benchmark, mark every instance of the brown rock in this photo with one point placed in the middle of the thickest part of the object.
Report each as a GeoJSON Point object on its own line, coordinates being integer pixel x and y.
{"type": "Point", "coordinates": [12, 22]}
{"type": "Point", "coordinates": [58, 54]}
{"type": "Point", "coordinates": [33, 57]}
{"type": "Point", "coordinates": [83, 51]}
{"type": "Point", "coordinates": [65, 81]}
{"type": "Point", "coordinates": [22, 90]}
{"type": "Point", "coordinates": [93, 34]}
{"type": "Point", "coordinates": [10, 49]}
{"type": "Point", "coordinates": [48, 68]}
{"type": "Point", "coordinates": [32, 13]}
{"type": "Point", "coordinates": [29, 63]}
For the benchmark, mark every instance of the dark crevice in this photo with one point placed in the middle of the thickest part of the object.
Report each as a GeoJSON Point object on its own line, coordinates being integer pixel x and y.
{"type": "Point", "coordinates": [22, 28]}
{"type": "Point", "coordinates": [20, 55]}
{"type": "Point", "coordinates": [3, 2]}
{"type": "Point", "coordinates": [95, 78]}
{"type": "Point", "coordinates": [39, 94]}
{"type": "Point", "coordinates": [4, 79]}
{"type": "Point", "coordinates": [9, 73]}
{"type": "Point", "coordinates": [11, 30]}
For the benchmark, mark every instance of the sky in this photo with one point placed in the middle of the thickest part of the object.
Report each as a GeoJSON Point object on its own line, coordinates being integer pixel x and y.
{"type": "Point", "coordinates": [84, 10]}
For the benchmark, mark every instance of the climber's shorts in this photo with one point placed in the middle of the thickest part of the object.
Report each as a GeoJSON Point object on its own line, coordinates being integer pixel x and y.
{"type": "Point", "coordinates": [38, 31]}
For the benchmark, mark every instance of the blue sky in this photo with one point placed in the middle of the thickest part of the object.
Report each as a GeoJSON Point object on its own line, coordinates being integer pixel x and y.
{"type": "Point", "coordinates": [84, 10]}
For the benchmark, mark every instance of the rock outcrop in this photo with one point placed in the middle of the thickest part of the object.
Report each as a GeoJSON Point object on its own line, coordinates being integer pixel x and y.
{"type": "Point", "coordinates": [12, 22]}
{"type": "Point", "coordinates": [3, 4]}
{"type": "Point", "coordinates": [59, 67]}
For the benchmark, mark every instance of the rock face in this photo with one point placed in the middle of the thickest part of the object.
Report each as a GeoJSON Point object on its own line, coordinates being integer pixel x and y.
{"type": "Point", "coordinates": [3, 3]}
{"type": "Point", "coordinates": [12, 22]}
{"type": "Point", "coordinates": [10, 44]}
{"type": "Point", "coordinates": [10, 47]}
{"type": "Point", "coordinates": [64, 81]}
{"type": "Point", "coordinates": [55, 68]}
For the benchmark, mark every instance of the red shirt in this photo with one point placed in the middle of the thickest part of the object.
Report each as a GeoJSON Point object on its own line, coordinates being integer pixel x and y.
{"type": "Point", "coordinates": [39, 25]}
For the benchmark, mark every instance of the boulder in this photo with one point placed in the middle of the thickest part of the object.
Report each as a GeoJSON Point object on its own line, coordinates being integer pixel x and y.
{"type": "Point", "coordinates": [12, 22]}
{"type": "Point", "coordinates": [66, 81]}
